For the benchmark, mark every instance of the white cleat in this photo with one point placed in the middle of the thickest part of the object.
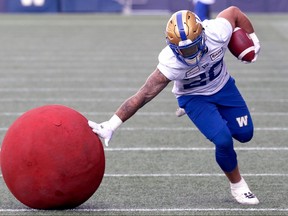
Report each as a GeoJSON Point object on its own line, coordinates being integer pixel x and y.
{"type": "Point", "coordinates": [180, 112]}
{"type": "Point", "coordinates": [242, 194]}
{"type": "Point", "coordinates": [245, 197]}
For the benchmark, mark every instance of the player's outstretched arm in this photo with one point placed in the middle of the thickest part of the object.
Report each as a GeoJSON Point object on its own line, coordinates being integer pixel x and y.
{"type": "Point", "coordinates": [154, 84]}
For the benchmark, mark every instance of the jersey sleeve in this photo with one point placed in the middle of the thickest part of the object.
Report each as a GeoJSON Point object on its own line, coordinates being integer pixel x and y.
{"type": "Point", "coordinates": [168, 64]}
{"type": "Point", "coordinates": [219, 29]}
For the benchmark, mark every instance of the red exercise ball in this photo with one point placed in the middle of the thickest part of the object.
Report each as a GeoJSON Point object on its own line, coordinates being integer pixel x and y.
{"type": "Point", "coordinates": [51, 159]}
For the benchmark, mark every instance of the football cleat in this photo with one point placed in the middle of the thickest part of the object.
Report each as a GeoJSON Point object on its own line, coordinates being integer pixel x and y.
{"type": "Point", "coordinates": [245, 197]}
{"type": "Point", "coordinates": [242, 193]}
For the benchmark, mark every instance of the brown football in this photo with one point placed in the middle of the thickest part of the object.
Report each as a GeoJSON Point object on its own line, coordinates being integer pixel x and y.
{"type": "Point", "coordinates": [241, 45]}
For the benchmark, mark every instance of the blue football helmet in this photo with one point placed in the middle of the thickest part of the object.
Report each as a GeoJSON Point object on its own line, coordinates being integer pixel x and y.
{"type": "Point", "coordinates": [186, 37]}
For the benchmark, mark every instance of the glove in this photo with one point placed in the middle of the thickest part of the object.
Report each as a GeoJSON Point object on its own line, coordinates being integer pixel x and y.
{"type": "Point", "coordinates": [103, 129]}
{"type": "Point", "coordinates": [106, 129]}
{"type": "Point", "coordinates": [180, 112]}
{"type": "Point", "coordinates": [256, 45]}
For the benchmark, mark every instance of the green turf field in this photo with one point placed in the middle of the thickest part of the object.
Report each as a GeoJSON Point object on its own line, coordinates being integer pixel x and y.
{"type": "Point", "coordinates": [156, 164]}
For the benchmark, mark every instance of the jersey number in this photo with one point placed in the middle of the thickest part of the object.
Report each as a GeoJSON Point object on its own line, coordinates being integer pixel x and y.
{"type": "Point", "coordinates": [206, 77]}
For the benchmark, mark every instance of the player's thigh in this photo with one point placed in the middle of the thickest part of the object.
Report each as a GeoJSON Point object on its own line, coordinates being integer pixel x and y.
{"type": "Point", "coordinates": [239, 122]}
{"type": "Point", "coordinates": [206, 117]}
{"type": "Point", "coordinates": [234, 110]}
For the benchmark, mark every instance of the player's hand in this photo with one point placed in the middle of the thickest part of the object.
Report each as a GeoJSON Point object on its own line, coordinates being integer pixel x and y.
{"type": "Point", "coordinates": [256, 45]}
{"type": "Point", "coordinates": [103, 129]}
{"type": "Point", "coordinates": [180, 112]}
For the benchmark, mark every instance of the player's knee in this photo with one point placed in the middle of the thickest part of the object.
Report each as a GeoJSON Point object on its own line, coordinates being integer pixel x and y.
{"type": "Point", "coordinates": [225, 155]}
{"type": "Point", "coordinates": [226, 160]}
{"type": "Point", "coordinates": [223, 140]}
{"type": "Point", "coordinates": [244, 137]}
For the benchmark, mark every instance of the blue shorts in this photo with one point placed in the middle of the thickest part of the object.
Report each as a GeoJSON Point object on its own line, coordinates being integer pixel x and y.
{"type": "Point", "coordinates": [212, 113]}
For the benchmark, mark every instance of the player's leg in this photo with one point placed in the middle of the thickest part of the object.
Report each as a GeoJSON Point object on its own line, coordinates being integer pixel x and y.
{"type": "Point", "coordinates": [235, 111]}
{"type": "Point", "coordinates": [239, 188]}
{"type": "Point", "coordinates": [202, 10]}
{"type": "Point", "coordinates": [206, 117]}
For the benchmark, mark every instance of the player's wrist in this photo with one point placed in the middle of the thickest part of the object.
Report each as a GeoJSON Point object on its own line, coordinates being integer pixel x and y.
{"type": "Point", "coordinates": [115, 122]}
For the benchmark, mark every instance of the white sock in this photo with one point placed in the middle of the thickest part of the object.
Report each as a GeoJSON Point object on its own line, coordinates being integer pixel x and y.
{"type": "Point", "coordinates": [239, 184]}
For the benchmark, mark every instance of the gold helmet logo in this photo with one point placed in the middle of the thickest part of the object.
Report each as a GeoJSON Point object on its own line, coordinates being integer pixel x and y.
{"type": "Point", "coordinates": [182, 26]}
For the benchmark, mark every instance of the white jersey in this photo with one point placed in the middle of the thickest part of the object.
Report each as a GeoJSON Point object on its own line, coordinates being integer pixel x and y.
{"type": "Point", "coordinates": [210, 75]}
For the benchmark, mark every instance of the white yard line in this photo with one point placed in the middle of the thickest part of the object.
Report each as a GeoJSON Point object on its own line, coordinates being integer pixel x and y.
{"type": "Point", "coordinates": [195, 149]}
{"type": "Point", "coordinates": [140, 113]}
{"type": "Point", "coordinates": [180, 129]}
{"type": "Point", "coordinates": [160, 210]}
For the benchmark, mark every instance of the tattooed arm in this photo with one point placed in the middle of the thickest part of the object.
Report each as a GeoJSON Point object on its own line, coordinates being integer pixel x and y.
{"type": "Point", "coordinates": [155, 83]}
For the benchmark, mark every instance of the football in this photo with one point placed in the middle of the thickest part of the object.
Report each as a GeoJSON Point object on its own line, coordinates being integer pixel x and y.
{"type": "Point", "coordinates": [241, 45]}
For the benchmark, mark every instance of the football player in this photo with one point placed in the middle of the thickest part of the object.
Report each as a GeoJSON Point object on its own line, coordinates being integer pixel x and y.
{"type": "Point", "coordinates": [202, 8]}
{"type": "Point", "coordinates": [193, 60]}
